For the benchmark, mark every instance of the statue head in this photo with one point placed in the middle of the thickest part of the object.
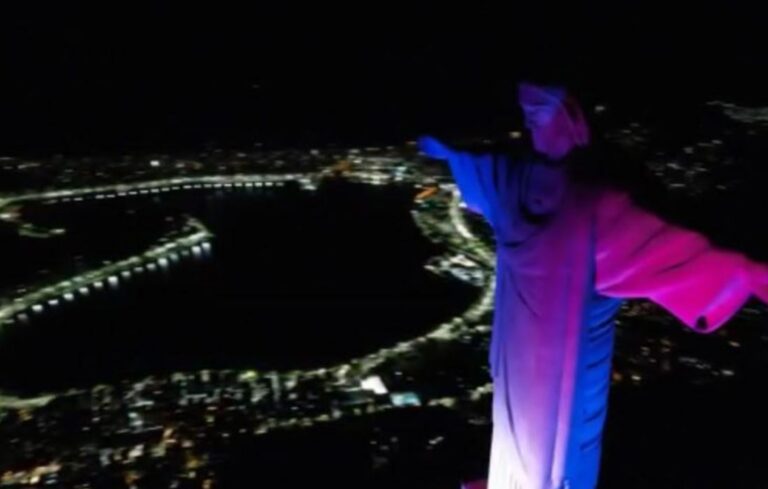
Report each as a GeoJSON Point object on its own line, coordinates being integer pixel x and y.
{"type": "Point", "coordinates": [554, 118]}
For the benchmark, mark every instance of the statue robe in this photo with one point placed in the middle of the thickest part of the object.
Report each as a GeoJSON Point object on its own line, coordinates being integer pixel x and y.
{"type": "Point", "coordinates": [567, 254]}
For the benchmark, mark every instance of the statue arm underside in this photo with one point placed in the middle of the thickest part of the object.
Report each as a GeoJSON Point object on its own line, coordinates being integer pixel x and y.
{"type": "Point", "coordinates": [639, 255]}
{"type": "Point", "coordinates": [479, 177]}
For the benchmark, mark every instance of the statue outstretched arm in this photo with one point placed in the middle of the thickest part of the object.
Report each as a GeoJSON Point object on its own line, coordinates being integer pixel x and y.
{"type": "Point", "coordinates": [481, 178]}
{"type": "Point", "coordinates": [760, 281]}
{"type": "Point", "coordinates": [639, 255]}
{"type": "Point", "coordinates": [434, 148]}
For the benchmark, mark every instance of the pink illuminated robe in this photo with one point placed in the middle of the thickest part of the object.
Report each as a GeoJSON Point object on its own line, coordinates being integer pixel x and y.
{"type": "Point", "coordinates": [567, 253]}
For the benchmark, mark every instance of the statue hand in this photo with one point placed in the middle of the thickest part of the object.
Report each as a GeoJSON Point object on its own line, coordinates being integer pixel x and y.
{"type": "Point", "coordinates": [760, 281]}
{"type": "Point", "coordinates": [434, 148]}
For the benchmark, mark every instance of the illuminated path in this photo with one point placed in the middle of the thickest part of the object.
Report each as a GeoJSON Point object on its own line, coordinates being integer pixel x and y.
{"type": "Point", "coordinates": [194, 238]}
{"type": "Point", "coordinates": [160, 186]}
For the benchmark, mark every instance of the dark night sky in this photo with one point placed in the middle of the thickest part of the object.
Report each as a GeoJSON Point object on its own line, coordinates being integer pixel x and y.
{"type": "Point", "coordinates": [171, 77]}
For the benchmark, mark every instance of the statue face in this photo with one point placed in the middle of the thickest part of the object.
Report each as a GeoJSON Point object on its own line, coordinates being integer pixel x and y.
{"type": "Point", "coordinates": [547, 119]}
{"type": "Point", "coordinates": [552, 137]}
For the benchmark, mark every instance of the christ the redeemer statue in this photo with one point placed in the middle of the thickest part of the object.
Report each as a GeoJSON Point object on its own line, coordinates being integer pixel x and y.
{"type": "Point", "coordinates": [568, 252]}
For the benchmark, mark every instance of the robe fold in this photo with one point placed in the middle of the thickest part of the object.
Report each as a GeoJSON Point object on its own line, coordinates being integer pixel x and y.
{"type": "Point", "coordinates": [567, 254]}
